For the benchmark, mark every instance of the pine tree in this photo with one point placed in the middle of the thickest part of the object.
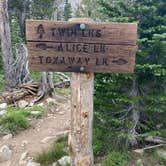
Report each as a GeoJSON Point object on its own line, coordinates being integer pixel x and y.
{"type": "Point", "coordinates": [67, 11]}
{"type": "Point", "coordinates": [128, 107]}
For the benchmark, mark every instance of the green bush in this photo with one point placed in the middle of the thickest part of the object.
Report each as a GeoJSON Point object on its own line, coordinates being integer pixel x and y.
{"type": "Point", "coordinates": [57, 151]}
{"type": "Point", "coordinates": [13, 122]}
{"type": "Point", "coordinates": [115, 158]}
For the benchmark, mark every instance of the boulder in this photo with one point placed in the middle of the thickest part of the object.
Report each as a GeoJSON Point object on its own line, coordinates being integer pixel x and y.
{"type": "Point", "coordinates": [64, 161]}
{"type": "Point", "coordinates": [2, 112]}
{"type": "Point", "coordinates": [5, 153]}
{"type": "Point", "coordinates": [3, 106]}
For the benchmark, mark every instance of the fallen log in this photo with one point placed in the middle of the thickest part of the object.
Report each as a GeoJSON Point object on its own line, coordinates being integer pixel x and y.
{"type": "Point", "coordinates": [155, 140]}
{"type": "Point", "coordinates": [17, 94]}
{"type": "Point", "coordinates": [27, 89]}
{"type": "Point", "coordinates": [141, 151]}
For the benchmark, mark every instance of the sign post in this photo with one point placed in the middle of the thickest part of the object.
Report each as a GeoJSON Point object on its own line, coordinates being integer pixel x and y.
{"type": "Point", "coordinates": [83, 47]}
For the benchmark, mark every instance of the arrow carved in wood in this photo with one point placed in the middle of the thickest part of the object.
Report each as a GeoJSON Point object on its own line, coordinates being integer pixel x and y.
{"type": "Point", "coordinates": [40, 31]}
{"type": "Point", "coordinates": [120, 61]}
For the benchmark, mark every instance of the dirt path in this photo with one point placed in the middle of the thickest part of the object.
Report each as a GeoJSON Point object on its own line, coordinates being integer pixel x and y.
{"type": "Point", "coordinates": [31, 140]}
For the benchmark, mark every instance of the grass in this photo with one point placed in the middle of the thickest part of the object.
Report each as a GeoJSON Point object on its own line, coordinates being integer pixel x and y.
{"type": "Point", "coordinates": [13, 122]}
{"type": "Point", "coordinates": [57, 151]}
{"type": "Point", "coordinates": [63, 91]}
{"type": "Point", "coordinates": [115, 158]}
{"type": "Point", "coordinates": [2, 84]}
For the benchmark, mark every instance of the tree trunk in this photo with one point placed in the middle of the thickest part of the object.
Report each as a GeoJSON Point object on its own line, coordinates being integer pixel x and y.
{"type": "Point", "coordinates": [21, 65]}
{"type": "Point", "coordinates": [135, 116]}
{"type": "Point", "coordinates": [6, 46]}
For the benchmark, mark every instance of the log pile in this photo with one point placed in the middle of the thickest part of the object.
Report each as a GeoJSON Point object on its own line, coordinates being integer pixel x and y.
{"type": "Point", "coordinates": [21, 92]}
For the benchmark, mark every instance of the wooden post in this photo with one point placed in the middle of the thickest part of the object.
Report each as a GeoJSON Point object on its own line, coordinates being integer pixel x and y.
{"type": "Point", "coordinates": [82, 86]}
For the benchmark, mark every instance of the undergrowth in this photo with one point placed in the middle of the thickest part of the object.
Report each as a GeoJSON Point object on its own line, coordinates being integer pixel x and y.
{"type": "Point", "coordinates": [57, 151]}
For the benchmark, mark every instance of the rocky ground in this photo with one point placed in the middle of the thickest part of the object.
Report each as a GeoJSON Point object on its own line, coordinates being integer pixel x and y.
{"type": "Point", "coordinates": [22, 148]}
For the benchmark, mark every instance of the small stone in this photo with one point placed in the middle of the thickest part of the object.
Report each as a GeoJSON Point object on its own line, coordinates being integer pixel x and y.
{"type": "Point", "coordinates": [23, 157]}
{"type": "Point", "coordinates": [22, 103]}
{"type": "Point", "coordinates": [139, 162]}
{"type": "Point", "coordinates": [64, 160]}
{"type": "Point", "coordinates": [62, 113]}
{"type": "Point", "coordinates": [54, 164]}
{"type": "Point", "coordinates": [24, 143]}
{"type": "Point", "coordinates": [41, 104]}
{"type": "Point", "coordinates": [5, 153]}
{"type": "Point", "coordinates": [35, 112]}
{"type": "Point", "coordinates": [2, 112]}
{"type": "Point", "coordinates": [47, 139]}
{"type": "Point", "coordinates": [8, 136]}
{"type": "Point", "coordinates": [3, 106]}
{"type": "Point", "coordinates": [31, 104]}
{"type": "Point", "coordinates": [33, 164]}
{"type": "Point", "coordinates": [51, 100]}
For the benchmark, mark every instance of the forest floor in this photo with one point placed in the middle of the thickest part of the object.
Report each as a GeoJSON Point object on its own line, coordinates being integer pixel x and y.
{"type": "Point", "coordinates": [40, 136]}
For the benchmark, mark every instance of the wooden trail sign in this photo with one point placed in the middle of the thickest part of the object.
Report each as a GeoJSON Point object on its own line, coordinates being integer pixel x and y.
{"type": "Point", "coordinates": [81, 46]}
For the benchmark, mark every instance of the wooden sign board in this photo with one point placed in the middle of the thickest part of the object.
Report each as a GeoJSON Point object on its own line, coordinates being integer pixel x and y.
{"type": "Point", "coordinates": [81, 46]}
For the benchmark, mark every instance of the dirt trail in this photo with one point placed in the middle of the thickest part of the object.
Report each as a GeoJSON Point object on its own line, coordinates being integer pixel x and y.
{"type": "Point", "coordinates": [41, 128]}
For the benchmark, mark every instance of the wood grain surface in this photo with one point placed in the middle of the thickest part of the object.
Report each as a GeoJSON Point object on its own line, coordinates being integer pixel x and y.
{"type": "Point", "coordinates": [81, 46]}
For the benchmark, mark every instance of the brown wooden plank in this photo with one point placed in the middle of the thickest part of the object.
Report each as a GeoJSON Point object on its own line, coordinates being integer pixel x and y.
{"type": "Point", "coordinates": [107, 33]}
{"type": "Point", "coordinates": [87, 58]}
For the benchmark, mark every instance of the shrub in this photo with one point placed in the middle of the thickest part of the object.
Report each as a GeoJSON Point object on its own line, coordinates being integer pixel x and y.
{"type": "Point", "coordinates": [115, 158]}
{"type": "Point", "coordinates": [57, 151]}
{"type": "Point", "coordinates": [13, 122]}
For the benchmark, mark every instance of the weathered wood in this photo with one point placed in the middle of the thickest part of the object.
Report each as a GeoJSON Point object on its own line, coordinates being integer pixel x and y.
{"type": "Point", "coordinates": [80, 141]}
{"type": "Point", "coordinates": [115, 58]}
{"type": "Point", "coordinates": [6, 47]}
{"type": "Point", "coordinates": [56, 31]}
{"type": "Point", "coordinates": [81, 46]}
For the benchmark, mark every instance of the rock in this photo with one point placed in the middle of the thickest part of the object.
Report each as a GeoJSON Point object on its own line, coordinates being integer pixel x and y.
{"type": "Point", "coordinates": [41, 104]}
{"type": "Point", "coordinates": [31, 104]}
{"type": "Point", "coordinates": [3, 106]}
{"type": "Point", "coordinates": [2, 112]}
{"type": "Point", "coordinates": [54, 164]}
{"type": "Point", "coordinates": [22, 103]}
{"type": "Point", "coordinates": [8, 136]}
{"type": "Point", "coordinates": [47, 139]}
{"type": "Point", "coordinates": [5, 153]}
{"type": "Point", "coordinates": [139, 162]}
{"type": "Point", "coordinates": [25, 142]}
{"type": "Point", "coordinates": [61, 113]}
{"type": "Point", "coordinates": [64, 160]}
{"type": "Point", "coordinates": [162, 154]}
{"type": "Point", "coordinates": [23, 157]}
{"type": "Point", "coordinates": [35, 112]}
{"type": "Point", "coordinates": [51, 100]}
{"type": "Point", "coordinates": [33, 164]}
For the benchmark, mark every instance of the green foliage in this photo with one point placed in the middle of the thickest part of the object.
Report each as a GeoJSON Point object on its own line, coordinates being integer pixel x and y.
{"type": "Point", "coordinates": [2, 85]}
{"type": "Point", "coordinates": [42, 9]}
{"type": "Point", "coordinates": [119, 96]}
{"type": "Point", "coordinates": [67, 10]}
{"type": "Point", "coordinates": [115, 158]}
{"type": "Point", "coordinates": [13, 122]}
{"type": "Point", "coordinates": [160, 156]}
{"type": "Point", "coordinates": [57, 151]}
